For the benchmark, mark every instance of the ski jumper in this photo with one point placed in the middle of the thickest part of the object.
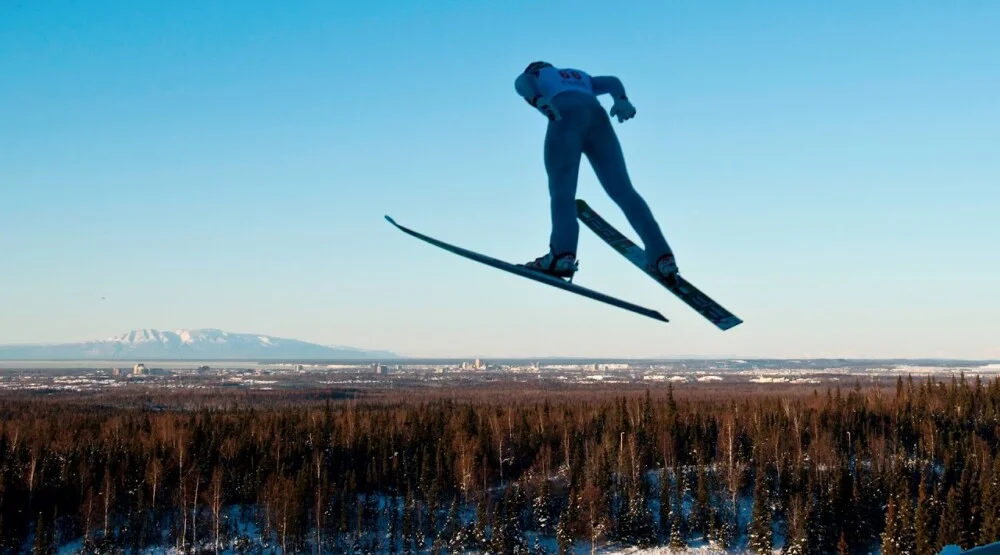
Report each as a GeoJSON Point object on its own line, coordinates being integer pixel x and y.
{"type": "Point", "coordinates": [584, 128]}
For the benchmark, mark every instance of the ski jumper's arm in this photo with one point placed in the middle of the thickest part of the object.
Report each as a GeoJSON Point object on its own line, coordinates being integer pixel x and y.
{"type": "Point", "coordinates": [526, 85]}
{"type": "Point", "coordinates": [607, 84]}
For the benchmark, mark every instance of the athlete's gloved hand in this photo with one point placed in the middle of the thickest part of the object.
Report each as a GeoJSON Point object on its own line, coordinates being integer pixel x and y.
{"type": "Point", "coordinates": [546, 107]}
{"type": "Point", "coordinates": [623, 109]}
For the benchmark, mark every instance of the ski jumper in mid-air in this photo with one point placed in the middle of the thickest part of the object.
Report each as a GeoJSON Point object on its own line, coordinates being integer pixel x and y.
{"type": "Point", "coordinates": [579, 126]}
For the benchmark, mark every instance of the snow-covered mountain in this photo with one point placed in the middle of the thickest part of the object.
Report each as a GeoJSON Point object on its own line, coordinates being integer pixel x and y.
{"type": "Point", "coordinates": [188, 345]}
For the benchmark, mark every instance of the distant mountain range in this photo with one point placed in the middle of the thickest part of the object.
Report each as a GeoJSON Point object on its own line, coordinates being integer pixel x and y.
{"type": "Point", "coordinates": [209, 344]}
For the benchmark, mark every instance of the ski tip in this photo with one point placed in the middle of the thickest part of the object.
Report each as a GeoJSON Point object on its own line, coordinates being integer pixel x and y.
{"type": "Point", "coordinates": [580, 203]}
{"type": "Point", "coordinates": [729, 323]}
{"type": "Point", "coordinates": [390, 220]}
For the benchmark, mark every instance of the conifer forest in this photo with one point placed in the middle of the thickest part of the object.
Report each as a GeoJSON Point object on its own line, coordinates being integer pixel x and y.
{"type": "Point", "coordinates": [907, 466]}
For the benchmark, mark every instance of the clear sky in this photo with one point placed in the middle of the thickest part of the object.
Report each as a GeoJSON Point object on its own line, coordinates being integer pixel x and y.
{"type": "Point", "coordinates": [828, 171]}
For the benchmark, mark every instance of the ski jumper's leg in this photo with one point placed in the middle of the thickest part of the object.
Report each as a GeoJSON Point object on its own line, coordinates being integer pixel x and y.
{"type": "Point", "coordinates": [563, 151]}
{"type": "Point", "coordinates": [604, 152]}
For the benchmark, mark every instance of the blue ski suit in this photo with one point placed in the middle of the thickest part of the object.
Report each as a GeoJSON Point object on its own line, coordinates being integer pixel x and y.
{"type": "Point", "coordinates": [584, 128]}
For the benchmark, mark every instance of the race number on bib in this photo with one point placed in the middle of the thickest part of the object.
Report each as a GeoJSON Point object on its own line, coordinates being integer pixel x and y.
{"type": "Point", "coordinates": [554, 81]}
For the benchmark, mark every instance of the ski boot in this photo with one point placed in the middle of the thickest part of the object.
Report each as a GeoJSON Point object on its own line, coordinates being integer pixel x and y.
{"type": "Point", "coordinates": [666, 266]}
{"type": "Point", "coordinates": [563, 266]}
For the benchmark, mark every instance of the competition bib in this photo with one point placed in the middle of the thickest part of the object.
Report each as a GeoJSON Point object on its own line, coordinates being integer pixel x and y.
{"type": "Point", "coordinates": [553, 81]}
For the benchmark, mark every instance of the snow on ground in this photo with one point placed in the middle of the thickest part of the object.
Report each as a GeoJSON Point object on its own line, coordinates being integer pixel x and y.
{"type": "Point", "coordinates": [669, 551]}
{"type": "Point", "coordinates": [764, 379]}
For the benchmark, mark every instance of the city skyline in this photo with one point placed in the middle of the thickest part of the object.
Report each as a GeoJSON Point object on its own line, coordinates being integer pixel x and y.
{"type": "Point", "coordinates": [358, 354]}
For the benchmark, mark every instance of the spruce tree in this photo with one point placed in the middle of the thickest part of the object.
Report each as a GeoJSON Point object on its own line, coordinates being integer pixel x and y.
{"type": "Point", "coordinates": [642, 527]}
{"type": "Point", "coordinates": [990, 531]}
{"type": "Point", "coordinates": [665, 503]}
{"type": "Point", "coordinates": [842, 547]}
{"type": "Point", "coordinates": [950, 528]}
{"type": "Point", "coordinates": [923, 527]}
{"type": "Point", "coordinates": [907, 537]}
{"type": "Point", "coordinates": [797, 533]}
{"type": "Point", "coordinates": [392, 516]}
{"type": "Point", "coordinates": [44, 543]}
{"type": "Point", "coordinates": [566, 527]}
{"type": "Point", "coordinates": [890, 534]}
{"type": "Point", "coordinates": [482, 522]}
{"type": "Point", "coordinates": [862, 501]}
{"type": "Point", "coordinates": [820, 518]}
{"type": "Point", "coordinates": [759, 531]}
{"type": "Point", "coordinates": [845, 515]}
{"type": "Point", "coordinates": [501, 538]}
{"type": "Point", "coordinates": [724, 529]}
{"type": "Point", "coordinates": [407, 531]}
{"type": "Point", "coordinates": [973, 501]}
{"type": "Point", "coordinates": [433, 505]}
{"type": "Point", "coordinates": [541, 508]}
{"type": "Point", "coordinates": [678, 539]}
{"type": "Point", "coordinates": [701, 508]}
{"type": "Point", "coordinates": [449, 529]}
{"type": "Point", "coordinates": [678, 525]}
{"type": "Point", "coordinates": [514, 509]}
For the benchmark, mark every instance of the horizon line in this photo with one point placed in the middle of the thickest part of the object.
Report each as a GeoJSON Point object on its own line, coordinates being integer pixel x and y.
{"type": "Point", "coordinates": [402, 358]}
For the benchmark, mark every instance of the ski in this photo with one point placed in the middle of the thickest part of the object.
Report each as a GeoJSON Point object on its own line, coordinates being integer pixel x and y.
{"type": "Point", "coordinates": [683, 289]}
{"type": "Point", "coordinates": [531, 274]}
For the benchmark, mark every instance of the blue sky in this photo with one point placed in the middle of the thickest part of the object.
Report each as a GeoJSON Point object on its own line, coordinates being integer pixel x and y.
{"type": "Point", "coordinates": [828, 171]}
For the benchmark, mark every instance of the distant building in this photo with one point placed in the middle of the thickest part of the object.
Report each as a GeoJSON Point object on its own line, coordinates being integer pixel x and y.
{"type": "Point", "coordinates": [139, 369]}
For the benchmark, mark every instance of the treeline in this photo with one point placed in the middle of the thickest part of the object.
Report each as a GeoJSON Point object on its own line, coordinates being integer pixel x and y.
{"type": "Point", "coordinates": [907, 470]}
